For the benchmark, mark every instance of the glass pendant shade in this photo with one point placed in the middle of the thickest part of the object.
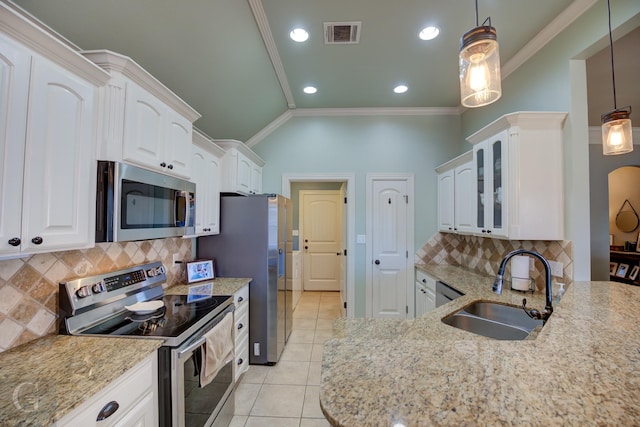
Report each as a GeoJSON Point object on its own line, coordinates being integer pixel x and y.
{"type": "Point", "coordinates": [480, 82]}
{"type": "Point", "coordinates": [617, 132]}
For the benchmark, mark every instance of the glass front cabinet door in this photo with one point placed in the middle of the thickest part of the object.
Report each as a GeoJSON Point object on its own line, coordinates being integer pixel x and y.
{"type": "Point", "coordinates": [489, 158]}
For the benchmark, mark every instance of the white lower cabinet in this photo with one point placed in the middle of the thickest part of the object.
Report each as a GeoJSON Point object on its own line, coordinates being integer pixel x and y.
{"type": "Point", "coordinates": [47, 149]}
{"type": "Point", "coordinates": [425, 293]}
{"type": "Point", "coordinates": [241, 322]}
{"type": "Point", "coordinates": [134, 396]}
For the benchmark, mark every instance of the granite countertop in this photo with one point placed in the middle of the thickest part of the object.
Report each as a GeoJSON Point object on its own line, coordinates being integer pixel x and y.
{"type": "Point", "coordinates": [45, 379]}
{"type": "Point", "coordinates": [580, 369]}
{"type": "Point", "coordinates": [221, 286]}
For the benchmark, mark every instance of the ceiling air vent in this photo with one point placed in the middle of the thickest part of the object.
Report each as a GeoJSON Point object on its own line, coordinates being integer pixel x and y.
{"type": "Point", "coordinates": [342, 32]}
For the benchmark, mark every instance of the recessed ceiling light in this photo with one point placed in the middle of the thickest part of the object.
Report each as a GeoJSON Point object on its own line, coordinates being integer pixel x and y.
{"type": "Point", "coordinates": [299, 35]}
{"type": "Point", "coordinates": [429, 33]}
{"type": "Point", "coordinates": [400, 89]}
{"type": "Point", "coordinates": [310, 90]}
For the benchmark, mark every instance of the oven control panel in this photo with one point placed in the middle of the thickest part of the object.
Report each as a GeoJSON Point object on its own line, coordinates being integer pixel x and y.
{"type": "Point", "coordinates": [84, 293]}
{"type": "Point", "coordinates": [125, 279]}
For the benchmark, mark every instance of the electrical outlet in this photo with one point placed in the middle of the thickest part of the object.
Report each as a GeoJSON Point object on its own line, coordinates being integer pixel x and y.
{"type": "Point", "coordinates": [556, 268]}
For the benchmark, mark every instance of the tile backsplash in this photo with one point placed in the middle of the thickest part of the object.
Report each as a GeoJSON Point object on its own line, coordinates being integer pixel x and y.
{"type": "Point", "coordinates": [29, 286]}
{"type": "Point", "coordinates": [483, 255]}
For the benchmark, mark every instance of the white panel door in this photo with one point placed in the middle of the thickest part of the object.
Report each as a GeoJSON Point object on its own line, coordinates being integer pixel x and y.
{"type": "Point", "coordinates": [390, 249]}
{"type": "Point", "coordinates": [321, 240]}
{"type": "Point", "coordinates": [60, 170]}
{"type": "Point", "coordinates": [14, 87]}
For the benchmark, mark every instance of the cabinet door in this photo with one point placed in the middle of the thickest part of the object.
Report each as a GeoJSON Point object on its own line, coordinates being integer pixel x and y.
{"type": "Point", "coordinates": [214, 179]}
{"type": "Point", "coordinates": [143, 414]}
{"type": "Point", "coordinates": [245, 167]}
{"type": "Point", "coordinates": [256, 179]}
{"type": "Point", "coordinates": [479, 161]}
{"type": "Point", "coordinates": [496, 188]}
{"type": "Point", "coordinates": [59, 180]}
{"type": "Point", "coordinates": [144, 128]}
{"type": "Point", "coordinates": [465, 200]}
{"type": "Point", "coordinates": [178, 145]}
{"type": "Point", "coordinates": [446, 201]}
{"type": "Point", "coordinates": [14, 87]}
{"type": "Point", "coordinates": [199, 177]}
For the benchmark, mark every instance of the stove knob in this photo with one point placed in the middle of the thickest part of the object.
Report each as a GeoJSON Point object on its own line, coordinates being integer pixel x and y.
{"type": "Point", "coordinates": [83, 292]}
{"type": "Point", "coordinates": [151, 272]}
{"type": "Point", "coordinates": [97, 288]}
{"type": "Point", "coordinates": [160, 270]}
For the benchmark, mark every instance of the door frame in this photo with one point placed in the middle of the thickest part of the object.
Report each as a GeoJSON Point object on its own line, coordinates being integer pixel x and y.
{"type": "Point", "coordinates": [409, 178]}
{"type": "Point", "coordinates": [350, 180]}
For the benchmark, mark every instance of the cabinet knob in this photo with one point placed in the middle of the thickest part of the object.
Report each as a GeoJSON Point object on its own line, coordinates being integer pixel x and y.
{"type": "Point", "coordinates": [424, 280]}
{"type": "Point", "coordinates": [240, 361]}
{"type": "Point", "coordinates": [240, 299]}
{"type": "Point", "coordinates": [240, 326]}
{"type": "Point", "coordinates": [37, 240]}
{"type": "Point", "coordinates": [488, 231]}
{"type": "Point", "coordinates": [170, 166]}
{"type": "Point", "coordinates": [15, 241]}
{"type": "Point", "coordinates": [377, 262]}
{"type": "Point", "coordinates": [108, 410]}
{"type": "Point", "coordinates": [163, 165]}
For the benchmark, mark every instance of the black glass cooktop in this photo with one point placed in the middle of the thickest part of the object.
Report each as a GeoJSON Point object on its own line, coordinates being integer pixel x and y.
{"type": "Point", "coordinates": [180, 312]}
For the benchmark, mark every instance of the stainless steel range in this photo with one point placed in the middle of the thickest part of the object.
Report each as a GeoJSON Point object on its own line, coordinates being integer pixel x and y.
{"type": "Point", "coordinates": [97, 306]}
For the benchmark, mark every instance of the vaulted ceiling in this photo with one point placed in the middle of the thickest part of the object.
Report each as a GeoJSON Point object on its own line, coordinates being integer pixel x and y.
{"type": "Point", "coordinates": [233, 60]}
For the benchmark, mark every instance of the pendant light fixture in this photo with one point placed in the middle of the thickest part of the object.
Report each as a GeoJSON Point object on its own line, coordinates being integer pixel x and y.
{"type": "Point", "coordinates": [616, 124]}
{"type": "Point", "coordinates": [479, 65]}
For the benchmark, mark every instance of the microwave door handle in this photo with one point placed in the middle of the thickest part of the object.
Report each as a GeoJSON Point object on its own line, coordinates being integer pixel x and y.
{"type": "Point", "coordinates": [176, 208]}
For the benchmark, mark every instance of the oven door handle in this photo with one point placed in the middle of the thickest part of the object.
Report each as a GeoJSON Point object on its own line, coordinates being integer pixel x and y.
{"type": "Point", "coordinates": [190, 348]}
{"type": "Point", "coordinates": [201, 340]}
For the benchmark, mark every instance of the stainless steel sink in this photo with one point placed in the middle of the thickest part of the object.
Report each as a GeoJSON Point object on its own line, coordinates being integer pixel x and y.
{"type": "Point", "coordinates": [501, 322]}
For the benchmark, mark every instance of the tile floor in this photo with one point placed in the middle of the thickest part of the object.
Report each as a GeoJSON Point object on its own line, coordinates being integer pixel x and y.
{"type": "Point", "coordinates": [287, 394]}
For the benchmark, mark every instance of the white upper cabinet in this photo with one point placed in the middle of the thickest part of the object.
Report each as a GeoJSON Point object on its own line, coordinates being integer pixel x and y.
{"type": "Point", "coordinates": [142, 121]}
{"type": "Point", "coordinates": [206, 168]}
{"type": "Point", "coordinates": [518, 177]}
{"type": "Point", "coordinates": [47, 141]}
{"type": "Point", "coordinates": [241, 168]}
{"type": "Point", "coordinates": [456, 201]}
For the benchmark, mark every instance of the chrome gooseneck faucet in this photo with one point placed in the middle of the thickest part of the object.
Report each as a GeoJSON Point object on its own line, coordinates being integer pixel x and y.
{"type": "Point", "coordinates": [533, 313]}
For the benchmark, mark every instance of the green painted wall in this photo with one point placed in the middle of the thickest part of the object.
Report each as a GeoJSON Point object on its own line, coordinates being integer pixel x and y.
{"type": "Point", "coordinates": [362, 145]}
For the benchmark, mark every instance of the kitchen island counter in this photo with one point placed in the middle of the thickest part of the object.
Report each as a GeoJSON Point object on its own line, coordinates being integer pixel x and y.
{"type": "Point", "coordinates": [45, 379]}
{"type": "Point", "coordinates": [580, 369]}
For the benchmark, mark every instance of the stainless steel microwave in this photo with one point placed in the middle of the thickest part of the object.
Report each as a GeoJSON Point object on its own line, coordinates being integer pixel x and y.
{"type": "Point", "coordinates": [133, 203]}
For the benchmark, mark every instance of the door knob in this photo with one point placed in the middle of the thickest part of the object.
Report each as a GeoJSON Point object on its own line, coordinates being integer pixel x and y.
{"type": "Point", "coordinates": [377, 262]}
{"type": "Point", "coordinates": [306, 247]}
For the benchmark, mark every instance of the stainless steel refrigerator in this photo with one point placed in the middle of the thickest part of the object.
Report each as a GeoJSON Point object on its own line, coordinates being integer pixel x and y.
{"type": "Point", "coordinates": [255, 242]}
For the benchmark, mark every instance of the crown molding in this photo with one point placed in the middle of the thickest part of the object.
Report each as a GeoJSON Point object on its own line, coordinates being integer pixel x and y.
{"type": "Point", "coordinates": [114, 62]}
{"type": "Point", "coordinates": [26, 29]}
{"type": "Point", "coordinates": [548, 33]}
{"type": "Point", "coordinates": [267, 36]}
{"type": "Point", "coordinates": [342, 112]}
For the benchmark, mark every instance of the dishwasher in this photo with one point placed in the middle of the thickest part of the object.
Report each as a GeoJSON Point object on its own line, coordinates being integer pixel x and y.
{"type": "Point", "coordinates": [445, 293]}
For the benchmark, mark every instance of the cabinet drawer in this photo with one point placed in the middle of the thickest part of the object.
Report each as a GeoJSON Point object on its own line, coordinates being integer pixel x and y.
{"type": "Point", "coordinates": [241, 296]}
{"type": "Point", "coordinates": [126, 391]}
{"type": "Point", "coordinates": [427, 281]}
{"type": "Point", "coordinates": [241, 322]}
{"type": "Point", "coordinates": [242, 355]}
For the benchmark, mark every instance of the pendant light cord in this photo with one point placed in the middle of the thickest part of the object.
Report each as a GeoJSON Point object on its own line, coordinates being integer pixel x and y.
{"type": "Point", "coordinates": [477, 14]}
{"type": "Point", "coordinates": [613, 73]}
